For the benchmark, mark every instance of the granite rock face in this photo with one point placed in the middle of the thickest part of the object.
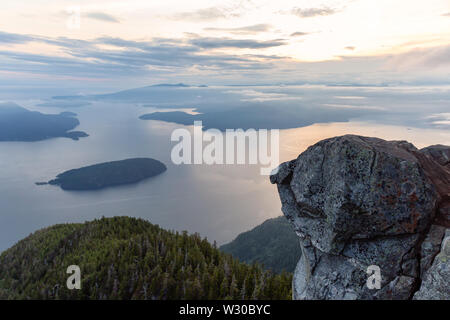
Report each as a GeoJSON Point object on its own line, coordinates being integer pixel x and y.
{"type": "Point", "coordinates": [434, 160]}
{"type": "Point", "coordinates": [440, 153]}
{"type": "Point", "coordinates": [436, 279]}
{"type": "Point", "coordinates": [357, 202]}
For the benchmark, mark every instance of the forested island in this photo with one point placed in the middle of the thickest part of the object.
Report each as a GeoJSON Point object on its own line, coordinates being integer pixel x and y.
{"type": "Point", "coordinates": [109, 174]}
{"type": "Point", "coordinates": [253, 117]}
{"type": "Point", "coordinates": [127, 258]}
{"type": "Point", "coordinates": [20, 124]}
{"type": "Point", "coordinates": [272, 244]}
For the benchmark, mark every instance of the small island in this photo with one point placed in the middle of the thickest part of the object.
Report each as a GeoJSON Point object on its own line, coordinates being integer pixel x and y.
{"type": "Point", "coordinates": [109, 174]}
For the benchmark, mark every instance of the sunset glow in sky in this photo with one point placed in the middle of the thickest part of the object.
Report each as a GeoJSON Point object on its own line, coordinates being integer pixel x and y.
{"type": "Point", "coordinates": [229, 41]}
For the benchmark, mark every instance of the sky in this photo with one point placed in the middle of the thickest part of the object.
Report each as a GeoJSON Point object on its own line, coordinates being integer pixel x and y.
{"type": "Point", "coordinates": [112, 44]}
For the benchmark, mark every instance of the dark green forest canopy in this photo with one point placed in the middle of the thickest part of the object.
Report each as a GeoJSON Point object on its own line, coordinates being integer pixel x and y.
{"type": "Point", "coordinates": [128, 258]}
{"type": "Point", "coordinates": [273, 244]}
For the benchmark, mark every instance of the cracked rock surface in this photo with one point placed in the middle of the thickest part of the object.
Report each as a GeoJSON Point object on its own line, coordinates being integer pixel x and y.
{"type": "Point", "coordinates": [356, 202]}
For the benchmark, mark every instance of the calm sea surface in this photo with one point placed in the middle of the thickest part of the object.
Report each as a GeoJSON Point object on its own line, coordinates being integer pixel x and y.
{"type": "Point", "coordinates": [218, 202]}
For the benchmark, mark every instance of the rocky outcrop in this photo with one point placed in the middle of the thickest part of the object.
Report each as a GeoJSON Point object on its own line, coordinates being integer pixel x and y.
{"type": "Point", "coordinates": [357, 202]}
{"type": "Point", "coordinates": [439, 153]}
{"type": "Point", "coordinates": [435, 283]}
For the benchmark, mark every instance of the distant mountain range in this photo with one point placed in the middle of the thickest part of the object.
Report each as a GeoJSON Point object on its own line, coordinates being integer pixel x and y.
{"type": "Point", "coordinates": [124, 94]}
{"type": "Point", "coordinates": [228, 107]}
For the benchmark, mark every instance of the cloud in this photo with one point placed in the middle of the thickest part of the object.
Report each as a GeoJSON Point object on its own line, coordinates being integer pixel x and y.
{"type": "Point", "coordinates": [233, 9]}
{"type": "Point", "coordinates": [440, 119]}
{"type": "Point", "coordinates": [349, 106]}
{"type": "Point", "coordinates": [85, 58]}
{"type": "Point", "coordinates": [101, 16]}
{"type": "Point", "coordinates": [313, 12]}
{"type": "Point", "coordinates": [207, 14]}
{"type": "Point", "coordinates": [190, 58]}
{"type": "Point", "coordinates": [259, 96]}
{"type": "Point", "coordinates": [446, 14]}
{"type": "Point", "coordinates": [256, 28]}
{"type": "Point", "coordinates": [213, 43]}
{"type": "Point", "coordinates": [299, 34]}
{"type": "Point", "coordinates": [421, 58]}
{"type": "Point", "coordinates": [350, 97]}
{"type": "Point", "coordinates": [6, 37]}
{"type": "Point", "coordinates": [351, 48]}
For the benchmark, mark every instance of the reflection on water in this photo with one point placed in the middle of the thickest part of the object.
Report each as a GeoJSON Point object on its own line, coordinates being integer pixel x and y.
{"type": "Point", "coordinates": [294, 141]}
{"type": "Point", "coordinates": [217, 201]}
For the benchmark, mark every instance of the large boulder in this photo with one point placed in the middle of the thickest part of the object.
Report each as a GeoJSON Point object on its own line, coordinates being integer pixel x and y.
{"type": "Point", "coordinates": [357, 202]}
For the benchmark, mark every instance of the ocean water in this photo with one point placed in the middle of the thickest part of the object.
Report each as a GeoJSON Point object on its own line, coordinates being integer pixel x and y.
{"type": "Point", "coordinates": [219, 201]}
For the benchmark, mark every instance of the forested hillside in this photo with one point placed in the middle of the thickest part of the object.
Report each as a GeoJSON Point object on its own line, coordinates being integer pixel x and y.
{"type": "Point", "coordinates": [273, 244]}
{"type": "Point", "coordinates": [128, 258]}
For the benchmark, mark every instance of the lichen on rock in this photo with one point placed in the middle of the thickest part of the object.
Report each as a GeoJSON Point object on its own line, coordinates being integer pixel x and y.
{"type": "Point", "coordinates": [356, 201]}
